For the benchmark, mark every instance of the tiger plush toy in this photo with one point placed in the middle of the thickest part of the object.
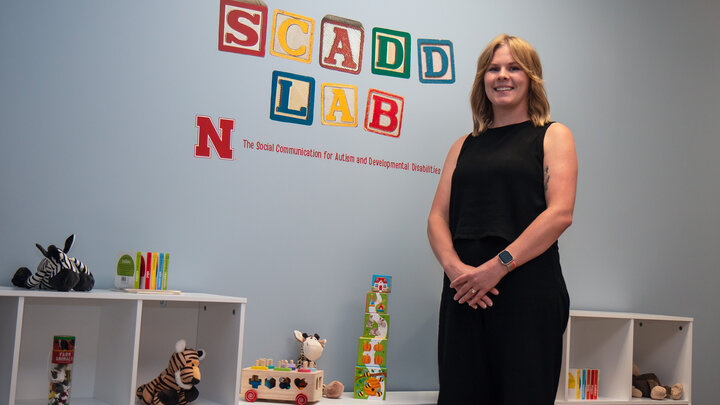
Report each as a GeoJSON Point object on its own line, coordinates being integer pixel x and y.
{"type": "Point", "coordinates": [176, 384]}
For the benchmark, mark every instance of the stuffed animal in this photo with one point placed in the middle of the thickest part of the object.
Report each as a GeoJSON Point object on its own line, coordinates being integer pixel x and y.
{"type": "Point", "coordinates": [648, 385]}
{"type": "Point", "coordinates": [57, 271]}
{"type": "Point", "coordinates": [333, 390]}
{"type": "Point", "coordinates": [176, 384]}
{"type": "Point", "coordinates": [311, 349]}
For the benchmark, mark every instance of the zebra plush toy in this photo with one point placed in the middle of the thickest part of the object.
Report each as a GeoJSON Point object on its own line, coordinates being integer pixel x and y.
{"type": "Point", "coordinates": [57, 271]}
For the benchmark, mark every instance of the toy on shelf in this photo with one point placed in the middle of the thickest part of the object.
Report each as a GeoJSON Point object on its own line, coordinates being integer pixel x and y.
{"type": "Point", "coordinates": [371, 365]}
{"type": "Point", "coordinates": [284, 382]}
{"type": "Point", "coordinates": [63, 354]}
{"type": "Point", "coordinates": [57, 271]}
{"type": "Point", "coordinates": [176, 384]}
{"type": "Point", "coordinates": [648, 385]}
{"type": "Point", "coordinates": [333, 390]}
{"type": "Point", "coordinates": [311, 349]}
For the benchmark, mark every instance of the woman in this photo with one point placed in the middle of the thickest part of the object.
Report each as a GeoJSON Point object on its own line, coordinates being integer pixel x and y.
{"type": "Point", "coordinates": [506, 194]}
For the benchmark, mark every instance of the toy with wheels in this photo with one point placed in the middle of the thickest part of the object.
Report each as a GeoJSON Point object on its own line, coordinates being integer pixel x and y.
{"type": "Point", "coordinates": [281, 383]}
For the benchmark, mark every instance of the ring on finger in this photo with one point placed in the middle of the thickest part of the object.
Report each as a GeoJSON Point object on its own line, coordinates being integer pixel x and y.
{"type": "Point", "coordinates": [473, 291]}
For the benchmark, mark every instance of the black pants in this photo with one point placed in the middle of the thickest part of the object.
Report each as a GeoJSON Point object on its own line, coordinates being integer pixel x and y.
{"type": "Point", "coordinates": [510, 353]}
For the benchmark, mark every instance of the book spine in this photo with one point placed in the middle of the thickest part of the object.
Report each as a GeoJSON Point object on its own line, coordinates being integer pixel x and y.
{"type": "Point", "coordinates": [158, 283]}
{"type": "Point", "coordinates": [148, 271]}
{"type": "Point", "coordinates": [153, 271]}
{"type": "Point", "coordinates": [166, 264]}
{"type": "Point", "coordinates": [138, 269]}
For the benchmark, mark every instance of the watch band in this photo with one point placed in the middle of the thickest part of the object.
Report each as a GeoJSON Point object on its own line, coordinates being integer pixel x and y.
{"type": "Point", "coordinates": [507, 260]}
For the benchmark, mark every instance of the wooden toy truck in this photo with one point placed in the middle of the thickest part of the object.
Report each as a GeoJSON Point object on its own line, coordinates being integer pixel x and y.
{"type": "Point", "coordinates": [281, 383]}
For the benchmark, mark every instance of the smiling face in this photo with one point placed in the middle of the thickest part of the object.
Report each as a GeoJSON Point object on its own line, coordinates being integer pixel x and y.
{"type": "Point", "coordinates": [506, 83]}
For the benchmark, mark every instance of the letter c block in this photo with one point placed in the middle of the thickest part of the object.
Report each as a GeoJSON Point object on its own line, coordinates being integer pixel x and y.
{"type": "Point", "coordinates": [292, 36]}
{"type": "Point", "coordinates": [242, 27]}
{"type": "Point", "coordinates": [292, 98]}
{"type": "Point", "coordinates": [383, 114]}
{"type": "Point", "coordinates": [390, 53]}
{"type": "Point", "coordinates": [436, 61]}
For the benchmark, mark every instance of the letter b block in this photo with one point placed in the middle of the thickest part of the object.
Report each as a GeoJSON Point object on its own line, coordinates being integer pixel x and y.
{"type": "Point", "coordinates": [390, 53]}
{"type": "Point", "coordinates": [242, 27]}
{"type": "Point", "coordinates": [383, 114]}
{"type": "Point", "coordinates": [292, 98]}
{"type": "Point", "coordinates": [436, 61]}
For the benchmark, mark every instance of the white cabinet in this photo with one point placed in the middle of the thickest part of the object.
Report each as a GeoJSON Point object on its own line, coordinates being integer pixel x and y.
{"type": "Point", "coordinates": [611, 342]}
{"type": "Point", "coordinates": [123, 340]}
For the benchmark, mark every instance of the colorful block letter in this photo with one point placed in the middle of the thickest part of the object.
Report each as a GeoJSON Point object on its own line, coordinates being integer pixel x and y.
{"type": "Point", "coordinates": [381, 283]}
{"type": "Point", "coordinates": [292, 36]}
{"type": "Point", "coordinates": [391, 53]}
{"type": "Point", "coordinates": [339, 104]}
{"type": "Point", "coordinates": [242, 27]}
{"type": "Point", "coordinates": [292, 98]}
{"type": "Point", "coordinates": [341, 44]}
{"type": "Point", "coordinates": [376, 326]}
{"type": "Point", "coordinates": [370, 383]}
{"type": "Point", "coordinates": [383, 114]}
{"type": "Point", "coordinates": [207, 131]}
{"type": "Point", "coordinates": [376, 302]}
{"type": "Point", "coordinates": [436, 61]}
{"type": "Point", "coordinates": [372, 352]}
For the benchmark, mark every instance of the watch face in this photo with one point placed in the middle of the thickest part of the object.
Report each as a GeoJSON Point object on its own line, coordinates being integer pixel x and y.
{"type": "Point", "coordinates": [505, 257]}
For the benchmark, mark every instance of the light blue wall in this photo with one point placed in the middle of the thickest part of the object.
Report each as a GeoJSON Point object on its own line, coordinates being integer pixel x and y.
{"type": "Point", "coordinates": [98, 103]}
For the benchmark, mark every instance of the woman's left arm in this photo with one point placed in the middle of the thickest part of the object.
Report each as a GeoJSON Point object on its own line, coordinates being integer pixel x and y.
{"type": "Point", "coordinates": [560, 171]}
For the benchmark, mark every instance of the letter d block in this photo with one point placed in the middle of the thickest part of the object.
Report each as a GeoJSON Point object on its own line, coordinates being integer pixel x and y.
{"type": "Point", "coordinates": [436, 61]}
{"type": "Point", "coordinates": [242, 27]}
{"type": "Point", "coordinates": [292, 36]}
{"type": "Point", "coordinates": [339, 104]}
{"type": "Point", "coordinates": [390, 53]}
{"type": "Point", "coordinates": [292, 98]}
{"type": "Point", "coordinates": [383, 114]}
{"type": "Point", "coordinates": [341, 44]}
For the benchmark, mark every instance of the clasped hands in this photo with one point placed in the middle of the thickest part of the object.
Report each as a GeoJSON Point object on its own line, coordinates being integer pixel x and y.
{"type": "Point", "coordinates": [475, 285]}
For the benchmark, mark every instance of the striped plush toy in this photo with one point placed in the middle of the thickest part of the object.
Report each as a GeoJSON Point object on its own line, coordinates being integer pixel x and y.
{"type": "Point", "coordinates": [176, 384]}
{"type": "Point", "coordinates": [57, 271]}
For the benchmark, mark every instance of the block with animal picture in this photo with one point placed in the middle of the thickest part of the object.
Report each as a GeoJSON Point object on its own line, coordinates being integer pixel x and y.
{"type": "Point", "coordinates": [370, 383]}
{"type": "Point", "coordinates": [376, 326]}
{"type": "Point", "coordinates": [372, 352]}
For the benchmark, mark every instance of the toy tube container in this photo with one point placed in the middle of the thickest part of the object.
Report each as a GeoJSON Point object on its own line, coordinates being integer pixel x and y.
{"type": "Point", "coordinates": [60, 369]}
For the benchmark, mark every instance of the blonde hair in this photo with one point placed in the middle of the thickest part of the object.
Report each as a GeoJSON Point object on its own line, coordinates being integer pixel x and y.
{"type": "Point", "coordinates": [529, 61]}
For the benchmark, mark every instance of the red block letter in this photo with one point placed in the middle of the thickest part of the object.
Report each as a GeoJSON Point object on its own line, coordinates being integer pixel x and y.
{"type": "Point", "coordinates": [206, 130]}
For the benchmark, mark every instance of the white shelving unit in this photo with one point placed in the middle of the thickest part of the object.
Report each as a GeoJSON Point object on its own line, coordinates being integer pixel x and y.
{"type": "Point", "coordinates": [123, 340]}
{"type": "Point", "coordinates": [612, 341]}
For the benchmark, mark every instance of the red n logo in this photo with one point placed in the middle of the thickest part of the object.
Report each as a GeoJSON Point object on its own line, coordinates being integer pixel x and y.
{"type": "Point", "coordinates": [222, 143]}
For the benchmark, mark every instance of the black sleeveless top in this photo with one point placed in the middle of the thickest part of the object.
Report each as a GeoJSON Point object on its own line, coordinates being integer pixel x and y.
{"type": "Point", "coordinates": [497, 187]}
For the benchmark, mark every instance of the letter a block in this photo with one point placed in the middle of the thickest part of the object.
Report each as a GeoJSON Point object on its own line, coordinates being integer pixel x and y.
{"type": "Point", "coordinates": [242, 27]}
{"type": "Point", "coordinates": [341, 44]}
{"type": "Point", "coordinates": [292, 98]}
{"type": "Point", "coordinates": [390, 53]}
{"type": "Point", "coordinates": [339, 104]}
{"type": "Point", "coordinates": [292, 36]}
{"type": "Point", "coordinates": [436, 61]}
{"type": "Point", "coordinates": [383, 114]}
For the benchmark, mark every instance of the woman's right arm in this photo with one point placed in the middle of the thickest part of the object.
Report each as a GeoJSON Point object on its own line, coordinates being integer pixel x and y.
{"type": "Point", "coordinates": [438, 228]}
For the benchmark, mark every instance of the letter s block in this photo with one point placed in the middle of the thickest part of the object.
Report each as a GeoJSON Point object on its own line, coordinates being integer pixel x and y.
{"type": "Point", "coordinates": [242, 27]}
{"type": "Point", "coordinates": [341, 44]}
{"type": "Point", "coordinates": [292, 98]}
{"type": "Point", "coordinates": [436, 61]}
{"type": "Point", "coordinates": [390, 53]}
{"type": "Point", "coordinates": [292, 36]}
{"type": "Point", "coordinates": [383, 114]}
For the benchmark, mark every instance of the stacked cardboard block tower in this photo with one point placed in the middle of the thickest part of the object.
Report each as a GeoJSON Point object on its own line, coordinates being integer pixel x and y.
{"type": "Point", "coordinates": [371, 367]}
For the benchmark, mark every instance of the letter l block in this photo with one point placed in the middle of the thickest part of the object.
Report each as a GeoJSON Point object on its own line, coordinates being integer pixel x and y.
{"type": "Point", "coordinates": [292, 98]}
